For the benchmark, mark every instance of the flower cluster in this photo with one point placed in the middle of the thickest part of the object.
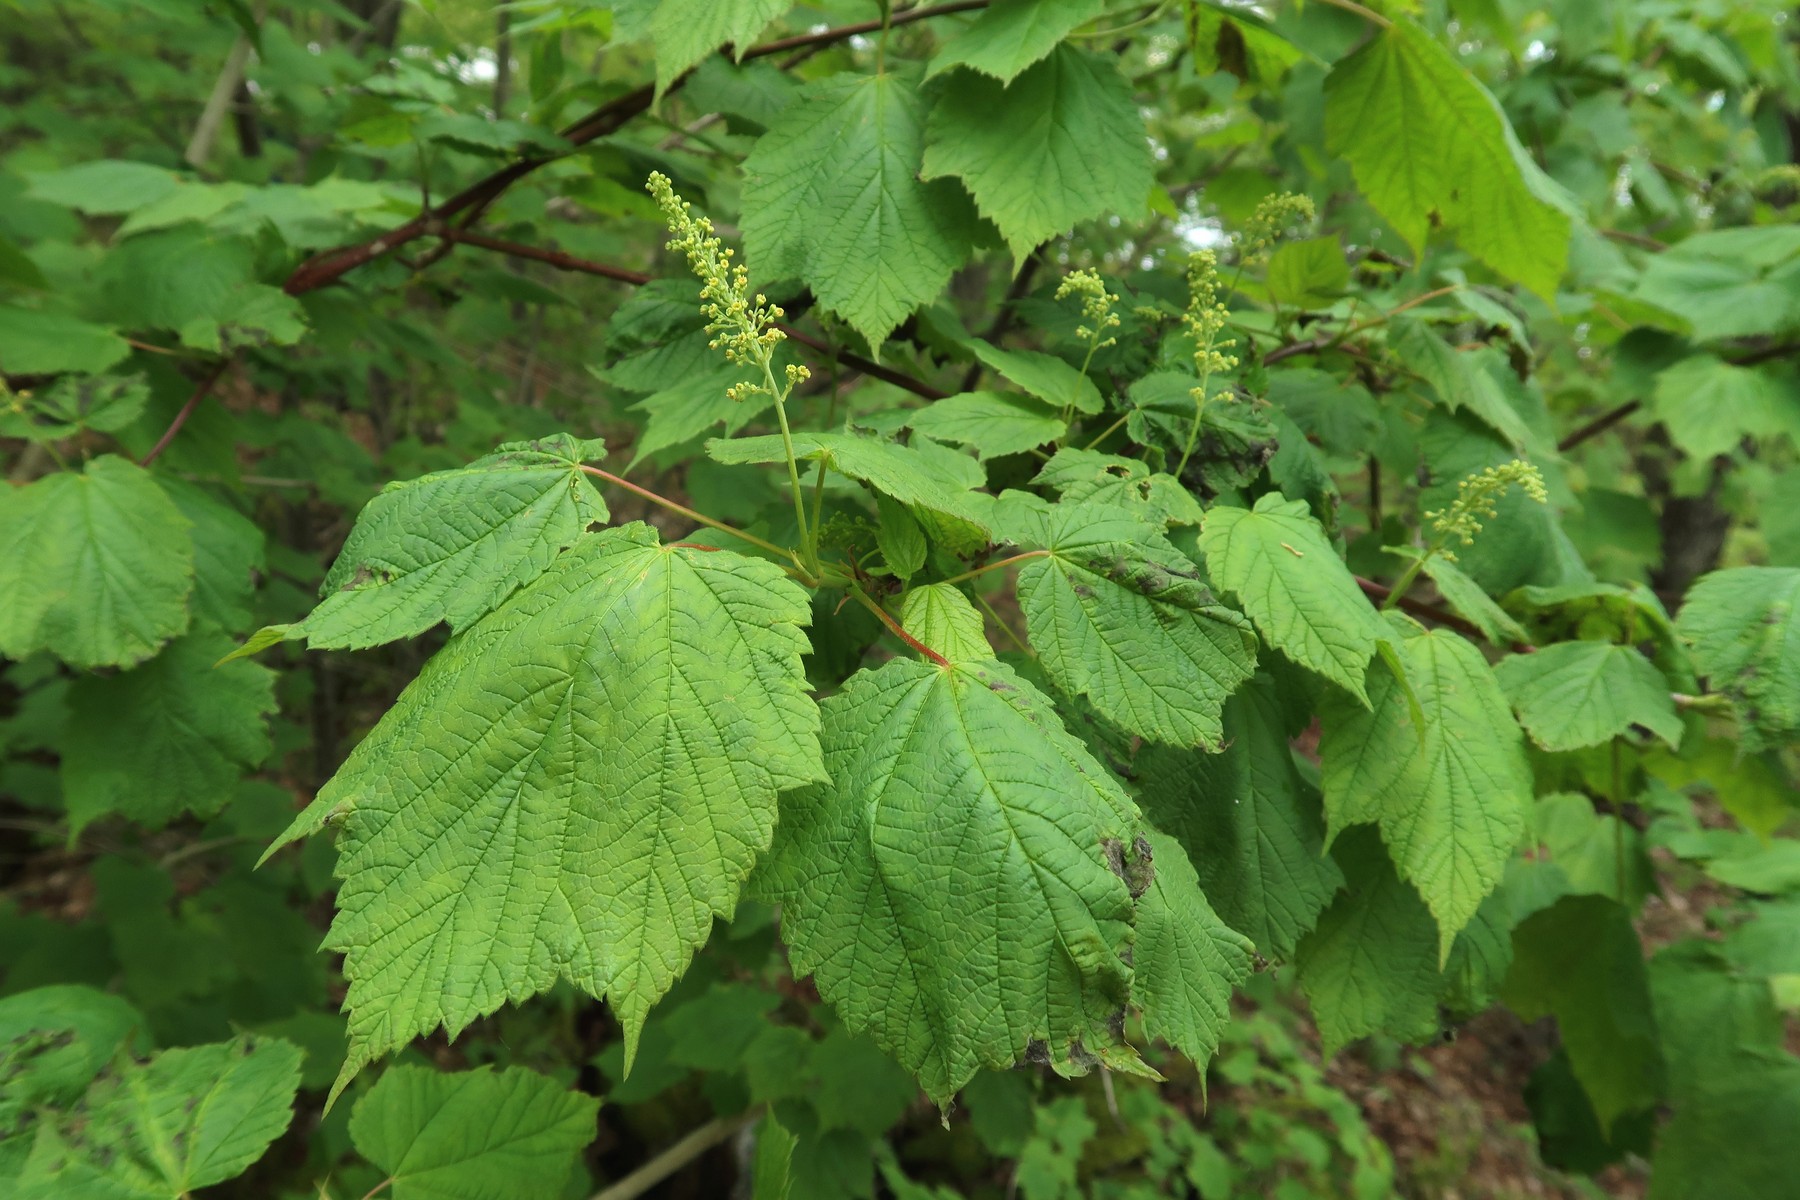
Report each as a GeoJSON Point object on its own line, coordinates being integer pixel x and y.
{"type": "Point", "coordinates": [1096, 306]}
{"type": "Point", "coordinates": [743, 327]}
{"type": "Point", "coordinates": [1273, 217]}
{"type": "Point", "coordinates": [1476, 498]}
{"type": "Point", "coordinates": [1206, 315]}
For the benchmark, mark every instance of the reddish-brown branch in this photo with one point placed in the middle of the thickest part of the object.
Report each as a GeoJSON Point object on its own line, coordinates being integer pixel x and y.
{"type": "Point", "coordinates": [187, 410]}
{"type": "Point", "coordinates": [328, 267]}
{"type": "Point", "coordinates": [894, 627]}
{"type": "Point", "coordinates": [1599, 425]}
{"type": "Point", "coordinates": [1425, 612]}
{"type": "Point", "coordinates": [569, 262]}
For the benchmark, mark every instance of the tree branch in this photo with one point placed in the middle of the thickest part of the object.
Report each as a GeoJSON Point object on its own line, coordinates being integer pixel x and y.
{"type": "Point", "coordinates": [569, 262]}
{"type": "Point", "coordinates": [678, 1156]}
{"type": "Point", "coordinates": [1426, 612]}
{"type": "Point", "coordinates": [187, 410]}
{"type": "Point", "coordinates": [328, 267]}
{"type": "Point", "coordinates": [1599, 425]}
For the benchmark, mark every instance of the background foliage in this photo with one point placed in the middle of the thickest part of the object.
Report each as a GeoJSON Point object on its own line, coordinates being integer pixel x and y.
{"type": "Point", "coordinates": [1382, 630]}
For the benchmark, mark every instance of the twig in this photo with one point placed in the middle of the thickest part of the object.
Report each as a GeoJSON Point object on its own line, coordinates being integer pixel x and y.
{"type": "Point", "coordinates": [689, 513]}
{"type": "Point", "coordinates": [569, 262]}
{"type": "Point", "coordinates": [678, 1156]}
{"type": "Point", "coordinates": [1599, 425]}
{"type": "Point", "coordinates": [1427, 612]}
{"type": "Point", "coordinates": [187, 410]}
{"type": "Point", "coordinates": [328, 267]}
{"type": "Point", "coordinates": [212, 117]}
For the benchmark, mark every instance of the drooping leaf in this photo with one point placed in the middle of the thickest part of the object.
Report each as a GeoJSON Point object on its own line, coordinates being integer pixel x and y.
{"type": "Point", "coordinates": [1743, 627]}
{"type": "Point", "coordinates": [693, 406]}
{"type": "Point", "coordinates": [106, 403]}
{"type": "Point", "coordinates": [938, 499]}
{"type": "Point", "coordinates": [158, 1130]}
{"type": "Point", "coordinates": [168, 737]}
{"type": "Point", "coordinates": [1576, 694]}
{"type": "Point", "coordinates": [228, 552]}
{"type": "Point", "coordinates": [1120, 617]}
{"type": "Point", "coordinates": [1368, 967]}
{"type": "Point", "coordinates": [1451, 797]}
{"type": "Point", "coordinates": [452, 545]}
{"type": "Point", "coordinates": [1062, 143]}
{"type": "Point", "coordinates": [1460, 380]}
{"type": "Point", "coordinates": [994, 423]}
{"type": "Point", "coordinates": [1185, 960]}
{"type": "Point", "coordinates": [1581, 962]}
{"type": "Point", "coordinates": [939, 615]}
{"type": "Point", "coordinates": [36, 342]}
{"type": "Point", "coordinates": [686, 31]}
{"type": "Point", "coordinates": [105, 187]}
{"type": "Point", "coordinates": [1275, 558]}
{"type": "Point", "coordinates": [1249, 821]}
{"type": "Point", "coordinates": [1430, 146]}
{"type": "Point", "coordinates": [832, 196]}
{"type": "Point", "coordinates": [96, 566]}
{"type": "Point", "coordinates": [1468, 599]}
{"type": "Point", "coordinates": [472, 1135]}
{"type": "Point", "coordinates": [1009, 35]}
{"type": "Point", "coordinates": [949, 888]}
{"type": "Point", "coordinates": [1045, 376]}
{"type": "Point", "coordinates": [595, 763]}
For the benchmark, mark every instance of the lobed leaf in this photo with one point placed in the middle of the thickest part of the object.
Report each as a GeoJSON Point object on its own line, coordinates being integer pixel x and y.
{"type": "Point", "coordinates": [949, 888]}
{"type": "Point", "coordinates": [1288, 577]}
{"type": "Point", "coordinates": [451, 545]}
{"type": "Point", "coordinates": [1119, 616]}
{"type": "Point", "coordinates": [573, 788]}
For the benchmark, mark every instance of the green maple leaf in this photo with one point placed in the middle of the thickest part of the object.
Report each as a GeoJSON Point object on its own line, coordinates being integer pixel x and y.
{"type": "Point", "coordinates": [594, 765]}
{"type": "Point", "coordinates": [1460, 380]}
{"type": "Point", "coordinates": [686, 31]}
{"type": "Point", "coordinates": [1120, 616]}
{"type": "Point", "coordinates": [1276, 559]}
{"type": "Point", "coordinates": [949, 888]}
{"type": "Point", "coordinates": [1741, 627]}
{"type": "Point", "coordinates": [1062, 143]}
{"type": "Point", "coordinates": [832, 196]}
{"type": "Point", "coordinates": [1711, 406]}
{"type": "Point", "coordinates": [96, 566]}
{"type": "Point", "coordinates": [1429, 145]}
{"type": "Point", "coordinates": [1576, 694]}
{"type": "Point", "coordinates": [1450, 797]}
{"type": "Point", "coordinates": [994, 423]}
{"type": "Point", "coordinates": [1009, 35]}
{"type": "Point", "coordinates": [472, 1135]}
{"type": "Point", "coordinates": [451, 545]}
{"type": "Point", "coordinates": [939, 615]}
{"type": "Point", "coordinates": [1249, 821]}
{"type": "Point", "coordinates": [228, 552]}
{"type": "Point", "coordinates": [1087, 476]}
{"type": "Point", "coordinates": [159, 1129]}
{"type": "Point", "coordinates": [939, 498]}
{"type": "Point", "coordinates": [1581, 961]}
{"type": "Point", "coordinates": [1185, 960]}
{"type": "Point", "coordinates": [1368, 966]}
{"type": "Point", "coordinates": [168, 737]}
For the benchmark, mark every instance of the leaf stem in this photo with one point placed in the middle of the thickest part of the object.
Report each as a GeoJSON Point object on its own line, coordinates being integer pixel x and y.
{"type": "Point", "coordinates": [894, 627]}
{"type": "Point", "coordinates": [1406, 579]}
{"type": "Point", "coordinates": [809, 542]}
{"type": "Point", "coordinates": [995, 566]}
{"type": "Point", "coordinates": [804, 577]}
{"type": "Point", "coordinates": [1108, 431]}
{"type": "Point", "coordinates": [1367, 14]}
{"type": "Point", "coordinates": [679, 1155]}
